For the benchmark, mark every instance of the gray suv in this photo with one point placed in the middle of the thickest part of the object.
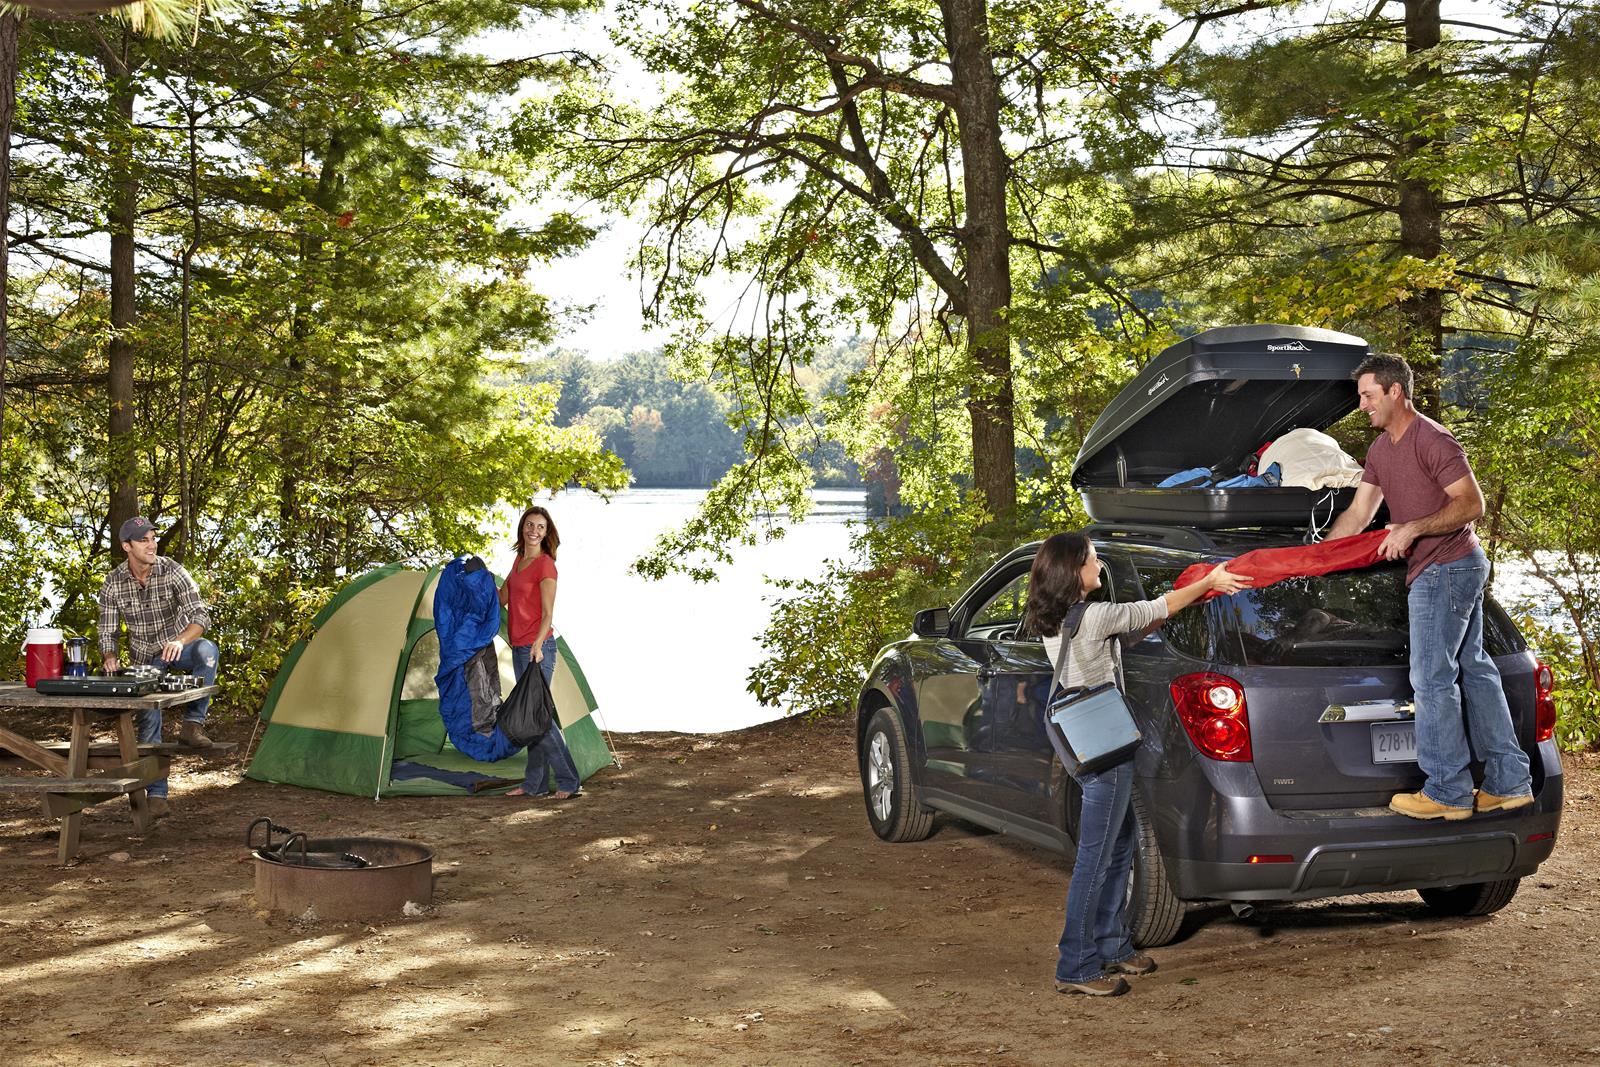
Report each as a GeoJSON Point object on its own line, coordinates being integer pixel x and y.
{"type": "Point", "coordinates": [1277, 721]}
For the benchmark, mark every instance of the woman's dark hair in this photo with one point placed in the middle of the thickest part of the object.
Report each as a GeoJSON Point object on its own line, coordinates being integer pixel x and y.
{"type": "Point", "coordinates": [1055, 583]}
{"type": "Point", "coordinates": [552, 540]}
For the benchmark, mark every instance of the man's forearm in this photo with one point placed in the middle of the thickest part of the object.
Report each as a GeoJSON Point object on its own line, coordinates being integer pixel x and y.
{"type": "Point", "coordinates": [1343, 526]}
{"type": "Point", "coordinates": [1448, 519]}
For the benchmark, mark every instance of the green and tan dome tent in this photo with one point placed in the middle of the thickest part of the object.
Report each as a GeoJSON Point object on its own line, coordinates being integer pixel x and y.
{"type": "Point", "coordinates": [354, 708]}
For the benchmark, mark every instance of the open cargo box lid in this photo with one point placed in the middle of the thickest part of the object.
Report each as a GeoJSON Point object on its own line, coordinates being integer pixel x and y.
{"type": "Point", "coordinates": [1211, 401]}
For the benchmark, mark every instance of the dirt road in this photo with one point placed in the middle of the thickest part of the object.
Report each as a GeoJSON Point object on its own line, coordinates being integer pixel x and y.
{"type": "Point", "coordinates": [721, 900]}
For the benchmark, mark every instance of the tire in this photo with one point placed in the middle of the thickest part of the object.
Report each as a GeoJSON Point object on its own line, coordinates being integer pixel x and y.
{"type": "Point", "coordinates": [1474, 898]}
{"type": "Point", "coordinates": [893, 806]}
{"type": "Point", "coordinates": [1154, 912]}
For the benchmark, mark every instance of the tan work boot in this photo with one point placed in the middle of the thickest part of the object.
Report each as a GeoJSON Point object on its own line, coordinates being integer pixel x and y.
{"type": "Point", "coordinates": [1104, 986]}
{"type": "Point", "coordinates": [1420, 805]}
{"type": "Point", "coordinates": [1482, 802]}
{"type": "Point", "coordinates": [191, 734]}
{"type": "Point", "coordinates": [159, 808]}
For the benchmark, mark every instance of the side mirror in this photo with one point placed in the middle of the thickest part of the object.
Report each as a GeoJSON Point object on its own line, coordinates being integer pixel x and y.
{"type": "Point", "coordinates": [931, 622]}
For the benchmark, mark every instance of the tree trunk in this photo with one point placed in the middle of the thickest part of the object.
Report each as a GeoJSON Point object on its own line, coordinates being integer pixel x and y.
{"type": "Point", "coordinates": [9, 24]}
{"type": "Point", "coordinates": [986, 241]}
{"type": "Point", "coordinates": [1420, 218]}
{"type": "Point", "coordinates": [122, 446]}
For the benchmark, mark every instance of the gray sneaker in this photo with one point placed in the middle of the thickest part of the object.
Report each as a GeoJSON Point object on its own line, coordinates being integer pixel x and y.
{"type": "Point", "coordinates": [159, 808]}
{"type": "Point", "coordinates": [1136, 964]}
{"type": "Point", "coordinates": [1104, 986]}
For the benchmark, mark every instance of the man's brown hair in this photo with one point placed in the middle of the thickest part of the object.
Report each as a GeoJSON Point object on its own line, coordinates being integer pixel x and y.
{"type": "Point", "coordinates": [1388, 369]}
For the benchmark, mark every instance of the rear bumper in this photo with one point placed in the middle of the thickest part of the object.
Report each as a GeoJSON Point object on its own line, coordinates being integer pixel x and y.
{"type": "Point", "coordinates": [1358, 850]}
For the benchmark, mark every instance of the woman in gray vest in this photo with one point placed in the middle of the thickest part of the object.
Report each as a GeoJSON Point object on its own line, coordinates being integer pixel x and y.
{"type": "Point", "coordinates": [1096, 947]}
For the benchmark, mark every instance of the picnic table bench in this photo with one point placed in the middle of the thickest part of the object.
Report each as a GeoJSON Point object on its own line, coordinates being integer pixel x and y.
{"type": "Point", "coordinates": [126, 767]}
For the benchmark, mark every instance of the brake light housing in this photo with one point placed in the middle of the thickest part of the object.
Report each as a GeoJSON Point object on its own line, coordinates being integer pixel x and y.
{"type": "Point", "coordinates": [1212, 709]}
{"type": "Point", "coordinates": [1544, 702]}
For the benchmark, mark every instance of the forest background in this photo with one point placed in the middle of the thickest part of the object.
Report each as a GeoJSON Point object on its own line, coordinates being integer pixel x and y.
{"type": "Point", "coordinates": [268, 277]}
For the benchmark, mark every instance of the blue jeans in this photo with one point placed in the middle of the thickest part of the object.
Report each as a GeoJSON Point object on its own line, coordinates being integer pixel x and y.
{"type": "Point", "coordinates": [549, 753]}
{"type": "Point", "coordinates": [1096, 932]}
{"type": "Point", "coordinates": [1446, 605]}
{"type": "Point", "coordinates": [199, 659]}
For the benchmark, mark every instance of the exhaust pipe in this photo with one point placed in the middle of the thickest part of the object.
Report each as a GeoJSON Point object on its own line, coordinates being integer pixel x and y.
{"type": "Point", "coordinates": [1243, 909]}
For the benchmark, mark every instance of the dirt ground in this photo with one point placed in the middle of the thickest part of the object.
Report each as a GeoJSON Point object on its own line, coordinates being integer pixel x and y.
{"type": "Point", "coordinates": [720, 899]}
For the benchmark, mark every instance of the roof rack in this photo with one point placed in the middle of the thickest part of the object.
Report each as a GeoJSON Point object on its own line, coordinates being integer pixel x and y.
{"type": "Point", "coordinates": [1166, 536]}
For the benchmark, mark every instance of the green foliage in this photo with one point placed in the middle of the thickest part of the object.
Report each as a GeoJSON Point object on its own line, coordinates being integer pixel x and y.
{"type": "Point", "coordinates": [814, 155]}
{"type": "Point", "coordinates": [337, 395]}
{"type": "Point", "coordinates": [826, 631]}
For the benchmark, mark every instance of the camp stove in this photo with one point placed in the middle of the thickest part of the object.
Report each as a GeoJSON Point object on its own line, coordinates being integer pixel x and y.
{"type": "Point", "coordinates": [338, 877]}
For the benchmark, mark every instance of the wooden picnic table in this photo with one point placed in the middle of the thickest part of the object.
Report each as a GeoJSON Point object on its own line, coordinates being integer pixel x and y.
{"type": "Point", "coordinates": [123, 768]}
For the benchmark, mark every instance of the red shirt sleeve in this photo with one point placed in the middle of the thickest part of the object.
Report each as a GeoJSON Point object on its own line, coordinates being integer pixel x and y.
{"type": "Point", "coordinates": [1445, 460]}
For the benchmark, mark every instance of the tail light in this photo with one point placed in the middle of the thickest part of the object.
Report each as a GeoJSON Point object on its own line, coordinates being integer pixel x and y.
{"type": "Point", "coordinates": [1212, 709]}
{"type": "Point", "coordinates": [1544, 703]}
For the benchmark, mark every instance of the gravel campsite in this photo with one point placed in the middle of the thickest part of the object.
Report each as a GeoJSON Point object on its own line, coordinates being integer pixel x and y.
{"type": "Point", "coordinates": [720, 899]}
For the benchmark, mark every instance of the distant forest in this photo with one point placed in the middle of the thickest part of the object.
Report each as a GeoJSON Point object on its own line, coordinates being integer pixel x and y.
{"type": "Point", "coordinates": [675, 434]}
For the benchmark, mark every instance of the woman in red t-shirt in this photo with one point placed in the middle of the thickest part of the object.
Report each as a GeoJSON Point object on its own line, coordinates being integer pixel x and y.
{"type": "Point", "coordinates": [529, 594]}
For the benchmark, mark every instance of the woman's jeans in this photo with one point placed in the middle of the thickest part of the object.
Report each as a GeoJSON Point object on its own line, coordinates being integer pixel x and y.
{"type": "Point", "coordinates": [199, 659]}
{"type": "Point", "coordinates": [1446, 605]}
{"type": "Point", "coordinates": [1096, 933]}
{"type": "Point", "coordinates": [550, 752]}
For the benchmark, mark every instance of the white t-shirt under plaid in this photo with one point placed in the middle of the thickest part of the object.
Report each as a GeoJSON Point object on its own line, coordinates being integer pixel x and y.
{"type": "Point", "coordinates": [1094, 657]}
{"type": "Point", "coordinates": [155, 612]}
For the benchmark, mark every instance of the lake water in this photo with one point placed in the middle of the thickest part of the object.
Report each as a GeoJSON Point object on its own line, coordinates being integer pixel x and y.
{"type": "Point", "coordinates": [673, 654]}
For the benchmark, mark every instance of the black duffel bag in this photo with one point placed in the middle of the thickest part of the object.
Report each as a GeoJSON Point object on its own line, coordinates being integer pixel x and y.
{"type": "Point", "coordinates": [530, 711]}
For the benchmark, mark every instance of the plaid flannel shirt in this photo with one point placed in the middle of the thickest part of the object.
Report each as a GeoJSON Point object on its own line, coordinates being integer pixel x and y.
{"type": "Point", "coordinates": [155, 612]}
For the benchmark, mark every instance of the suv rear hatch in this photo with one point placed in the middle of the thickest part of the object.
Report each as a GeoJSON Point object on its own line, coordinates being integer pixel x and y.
{"type": "Point", "coordinates": [1324, 666]}
{"type": "Point", "coordinates": [1211, 401]}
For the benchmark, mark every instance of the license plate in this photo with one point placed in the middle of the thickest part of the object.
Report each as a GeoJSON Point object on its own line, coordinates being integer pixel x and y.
{"type": "Point", "coordinates": [1394, 742]}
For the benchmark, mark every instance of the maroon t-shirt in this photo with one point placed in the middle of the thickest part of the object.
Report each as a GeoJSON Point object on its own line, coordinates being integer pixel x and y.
{"type": "Point", "coordinates": [1412, 474]}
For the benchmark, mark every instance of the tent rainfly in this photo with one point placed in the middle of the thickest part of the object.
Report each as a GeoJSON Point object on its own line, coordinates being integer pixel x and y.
{"type": "Point", "coordinates": [354, 708]}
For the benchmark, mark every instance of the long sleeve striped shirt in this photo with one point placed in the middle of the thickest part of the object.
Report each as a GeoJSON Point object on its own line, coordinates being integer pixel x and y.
{"type": "Point", "coordinates": [155, 612]}
{"type": "Point", "coordinates": [1094, 657]}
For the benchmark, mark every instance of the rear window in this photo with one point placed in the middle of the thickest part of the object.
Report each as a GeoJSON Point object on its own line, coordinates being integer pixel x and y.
{"type": "Point", "coordinates": [1352, 619]}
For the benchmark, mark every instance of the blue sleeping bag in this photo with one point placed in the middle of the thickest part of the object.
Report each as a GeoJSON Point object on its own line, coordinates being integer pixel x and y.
{"type": "Point", "coordinates": [466, 612]}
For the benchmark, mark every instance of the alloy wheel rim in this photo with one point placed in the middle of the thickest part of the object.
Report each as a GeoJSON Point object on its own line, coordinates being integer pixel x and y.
{"type": "Point", "coordinates": [880, 777]}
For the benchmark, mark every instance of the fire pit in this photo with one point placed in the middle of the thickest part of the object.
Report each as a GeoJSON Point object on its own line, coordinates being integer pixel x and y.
{"type": "Point", "coordinates": [339, 877]}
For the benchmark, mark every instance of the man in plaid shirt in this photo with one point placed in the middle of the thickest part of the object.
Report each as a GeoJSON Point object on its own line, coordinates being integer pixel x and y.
{"type": "Point", "coordinates": [165, 616]}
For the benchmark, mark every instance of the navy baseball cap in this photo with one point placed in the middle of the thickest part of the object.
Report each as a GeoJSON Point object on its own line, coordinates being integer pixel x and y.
{"type": "Point", "coordinates": [135, 528]}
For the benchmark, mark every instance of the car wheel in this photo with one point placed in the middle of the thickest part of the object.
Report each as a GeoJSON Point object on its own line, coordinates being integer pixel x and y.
{"type": "Point", "coordinates": [1474, 898]}
{"type": "Point", "coordinates": [893, 807]}
{"type": "Point", "coordinates": [1154, 912]}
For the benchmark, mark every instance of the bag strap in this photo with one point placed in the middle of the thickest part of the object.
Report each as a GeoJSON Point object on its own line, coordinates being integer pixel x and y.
{"type": "Point", "coordinates": [1069, 630]}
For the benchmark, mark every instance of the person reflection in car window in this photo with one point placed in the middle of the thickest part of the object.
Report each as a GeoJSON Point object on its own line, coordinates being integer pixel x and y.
{"type": "Point", "coordinates": [1096, 947]}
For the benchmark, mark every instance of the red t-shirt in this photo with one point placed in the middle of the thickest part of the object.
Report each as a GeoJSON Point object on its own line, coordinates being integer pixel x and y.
{"type": "Point", "coordinates": [522, 597]}
{"type": "Point", "coordinates": [1412, 474]}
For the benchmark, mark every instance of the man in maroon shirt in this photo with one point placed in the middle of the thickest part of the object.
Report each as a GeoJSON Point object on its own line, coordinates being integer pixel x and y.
{"type": "Point", "coordinates": [1421, 471]}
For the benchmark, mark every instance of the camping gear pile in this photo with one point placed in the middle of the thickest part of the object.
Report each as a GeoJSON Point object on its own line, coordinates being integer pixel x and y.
{"type": "Point", "coordinates": [355, 708]}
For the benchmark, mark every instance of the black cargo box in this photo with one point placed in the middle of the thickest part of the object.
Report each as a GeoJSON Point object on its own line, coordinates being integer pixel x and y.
{"type": "Point", "coordinates": [1211, 401]}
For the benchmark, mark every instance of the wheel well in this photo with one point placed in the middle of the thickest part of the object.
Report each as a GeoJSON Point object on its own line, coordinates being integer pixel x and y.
{"type": "Point", "coordinates": [872, 701]}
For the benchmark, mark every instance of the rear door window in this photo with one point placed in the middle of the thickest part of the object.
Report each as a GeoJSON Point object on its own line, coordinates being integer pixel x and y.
{"type": "Point", "coordinates": [1353, 618]}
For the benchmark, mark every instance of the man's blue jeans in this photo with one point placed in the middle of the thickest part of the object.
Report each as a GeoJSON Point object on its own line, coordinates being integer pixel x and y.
{"type": "Point", "coordinates": [199, 659]}
{"type": "Point", "coordinates": [1096, 933]}
{"type": "Point", "coordinates": [549, 753]}
{"type": "Point", "coordinates": [1446, 605]}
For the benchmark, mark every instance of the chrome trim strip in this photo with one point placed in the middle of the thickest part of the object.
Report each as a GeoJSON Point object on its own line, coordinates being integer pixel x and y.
{"type": "Point", "coordinates": [1369, 711]}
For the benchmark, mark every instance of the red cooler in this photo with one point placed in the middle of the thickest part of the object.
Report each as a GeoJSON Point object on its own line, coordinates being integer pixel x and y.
{"type": "Point", "coordinates": [43, 652]}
